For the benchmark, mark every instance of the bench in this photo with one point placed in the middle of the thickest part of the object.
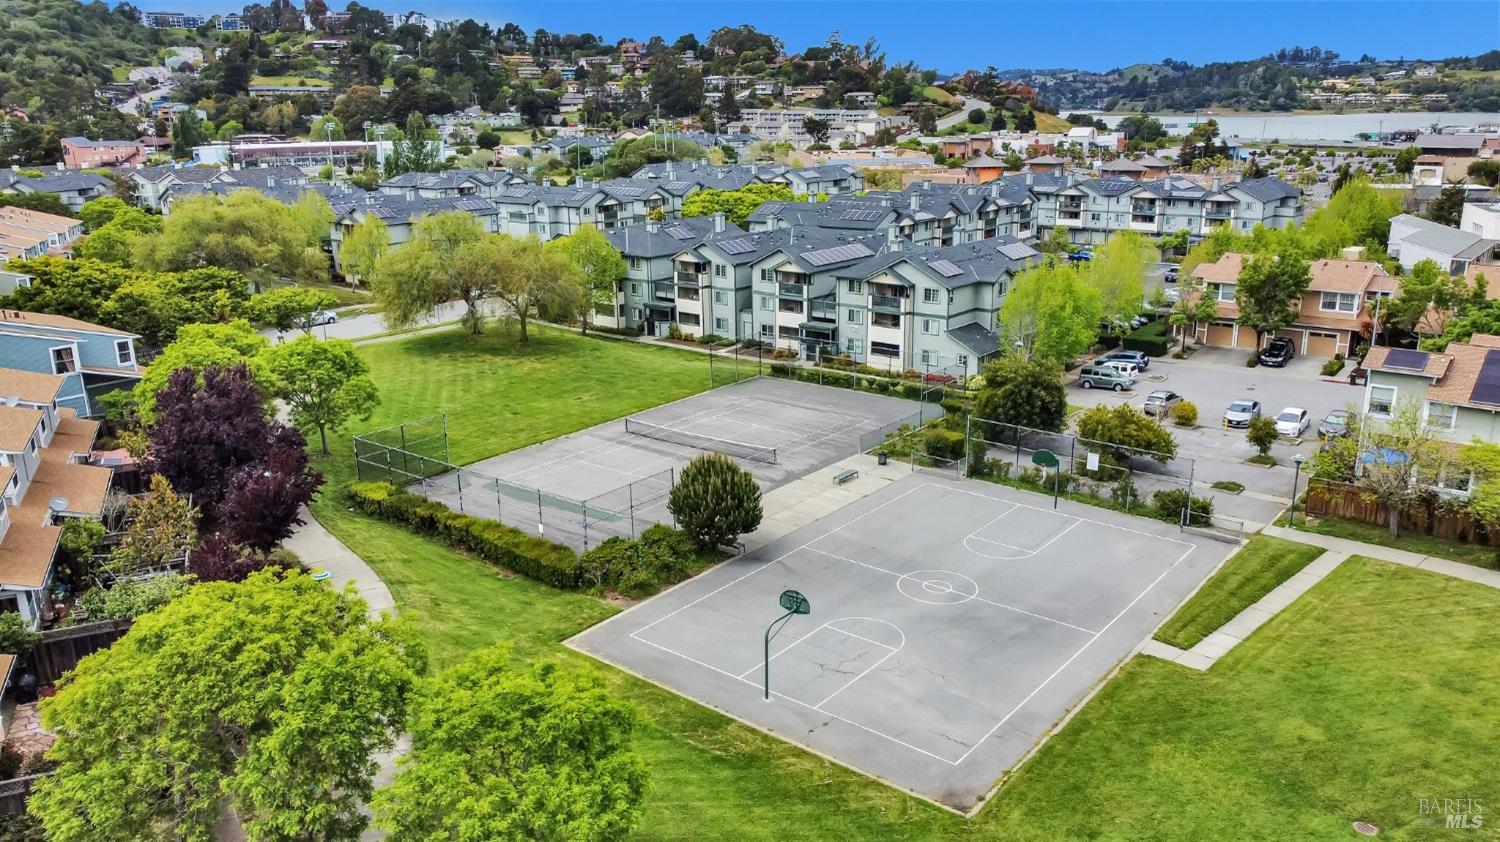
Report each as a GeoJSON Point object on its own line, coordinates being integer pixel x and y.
{"type": "Point", "coordinates": [844, 476]}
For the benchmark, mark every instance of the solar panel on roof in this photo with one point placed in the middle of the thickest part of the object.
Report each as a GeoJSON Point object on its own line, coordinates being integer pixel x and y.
{"type": "Point", "coordinates": [1487, 387]}
{"type": "Point", "coordinates": [474, 205]}
{"type": "Point", "coordinates": [1406, 359]}
{"type": "Point", "coordinates": [1017, 251]}
{"type": "Point", "coordinates": [679, 232]}
{"type": "Point", "coordinates": [860, 215]}
{"type": "Point", "coordinates": [516, 192]}
{"type": "Point", "coordinates": [837, 254]}
{"type": "Point", "coordinates": [946, 268]}
{"type": "Point", "coordinates": [735, 247]}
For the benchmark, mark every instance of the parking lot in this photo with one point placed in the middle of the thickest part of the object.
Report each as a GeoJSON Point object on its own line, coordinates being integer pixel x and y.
{"type": "Point", "coordinates": [1211, 379]}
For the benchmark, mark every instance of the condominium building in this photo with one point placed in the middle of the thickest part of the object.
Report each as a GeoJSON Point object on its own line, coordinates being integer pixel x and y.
{"type": "Point", "coordinates": [1093, 209]}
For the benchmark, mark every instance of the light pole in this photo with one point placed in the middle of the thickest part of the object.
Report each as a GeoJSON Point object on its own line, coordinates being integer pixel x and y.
{"type": "Point", "coordinates": [1291, 519]}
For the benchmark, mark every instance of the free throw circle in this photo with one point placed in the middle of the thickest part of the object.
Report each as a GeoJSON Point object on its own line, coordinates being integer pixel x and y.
{"type": "Point", "coordinates": [937, 587]}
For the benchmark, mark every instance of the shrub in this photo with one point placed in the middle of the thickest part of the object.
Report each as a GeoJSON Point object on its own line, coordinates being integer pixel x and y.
{"type": "Point", "coordinates": [1333, 366]}
{"type": "Point", "coordinates": [979, 464]}
{"type": "Point", "coordinates": [661, 556]}
{"type": "Point", "coordinates": [1185, 414]}
{"type": "Point", "coordinates": [943, 443]}
{"type": "Point", "coordinates": [1228, 485]}
{"type": "Point", "coordinates": [15, 637]}
{"type": "Point", "coordinates": [130, 598]}
{"type": "Point", "coordinates": [1169, 503]}
{"type": "Point", "coordinates": [220, 560]}
{"type": "Point", "coordinates": [1261, 434]}
{"type": "Point", "coordinates": [1150, 339]}
{"type": "Point", "coordinates": [490, 540]}
{"type": "Point", "coordinates": [715, 501]}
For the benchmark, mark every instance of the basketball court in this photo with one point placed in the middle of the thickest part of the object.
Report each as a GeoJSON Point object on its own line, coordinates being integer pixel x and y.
{"type": "Point", "coordinates": [951, 624]}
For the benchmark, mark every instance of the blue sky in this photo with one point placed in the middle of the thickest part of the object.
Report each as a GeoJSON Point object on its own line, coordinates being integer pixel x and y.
{"type": "Point", "coordinates": [952, 35]}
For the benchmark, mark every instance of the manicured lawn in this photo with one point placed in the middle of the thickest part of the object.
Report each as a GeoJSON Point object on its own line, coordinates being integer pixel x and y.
{"type": "Point", "coordinates": [1262, 564]}
{"type": "Point", "coordinates": [299, 81]}
{"type": "Point", "coordinates": [1358, 530]}
{"type": "Point", "coordinates": [1371, 691]}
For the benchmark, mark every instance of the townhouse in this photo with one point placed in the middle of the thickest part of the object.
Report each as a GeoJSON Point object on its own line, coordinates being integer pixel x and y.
{"type": "Point", "coordinates": [156, 187]}
{"type": "Point", "coordinates": [547, 212]}
{"type": "Point", "coordinates": [829, 180]}
{"type": "Point", "coordinates": [1457, 390]}
{"type": "Point", "coordinates": [400, 215]}
{"type": "Point", "coordinates": [924, 214]}
{"type": "Point", "coordinates": [1093, 209]}
{"type": "Point", "coordinates": [1335, 314]}
{"type": "Point", "coordinates": [73, 189]}
{"type": "Point", "coordinates": [92, 360]}
{"type": "Point", "coordinates": [451, 184]}
{"type": "Point", "coordinates": [28, 233]}
{"type": "Point", "coordinates": [711, 177]}
{"type": "Point", "coordinates": [81, 153]}
{"type": "Point", "coordinates": [43, 448]}
{"type": "Point", "coordinates": [1414, 239]}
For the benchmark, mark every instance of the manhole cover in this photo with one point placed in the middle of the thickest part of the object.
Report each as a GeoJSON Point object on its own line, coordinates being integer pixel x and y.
{"type": "Point", "coordinates": [1365, 829]}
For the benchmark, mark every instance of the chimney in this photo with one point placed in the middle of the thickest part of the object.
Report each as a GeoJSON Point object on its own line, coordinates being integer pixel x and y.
{"type": "Point", "coordinates": [1215, 183]}
{"type": "Point", "coordinates": [915, 202]}
{"type": "Point", "coordinates": [578, 180]}
{"type": "Point", "coordinates": [653, 226]}
{"type": "Point", "coordinates": [718, 223]}
{"type": "Point", "coordinates": [926, 184]}
{"type": "Point", "coordinates": [754, 168]}
{"type": "Point", "coordinates": [59, 166]}
{"type": "Point", "coordinates": [1030, 178]}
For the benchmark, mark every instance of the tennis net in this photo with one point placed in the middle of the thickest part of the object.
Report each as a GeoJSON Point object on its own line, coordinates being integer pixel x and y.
{"type": "Point", "coordinates": [744, 450]}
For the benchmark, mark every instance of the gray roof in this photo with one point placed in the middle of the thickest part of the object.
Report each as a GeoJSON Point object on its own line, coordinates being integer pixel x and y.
{"type": "Point", "coordinates": [974, 337]}
{"type": "Point", "coordinates": [446, 180]}
{"type": "Point", "coordinates": [1122, 165]}
{"type": "Point", "coordinates": [1450, 141]}
{"type": "Point", "coordinates": [984, 262]}
{"type": "Point", "coordinates": [1266, 189]}
{"type": "Point", "coordinates": [664, 239]}
{"type": "Point", "coordinates": [87, 143]}
{"type": "Point", "coordinates": [1442, 239]}
{"type": "Point", "coordinates": [398, 209]}
{"type": "Point", "coordinates": [65, 181]}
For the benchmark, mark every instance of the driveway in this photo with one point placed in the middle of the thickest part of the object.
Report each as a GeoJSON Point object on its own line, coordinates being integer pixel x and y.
{"type": "Point", "coordinates": [1212, 379]}
{"type": "Point", "coordinates": [962, 114]}
{"type": "Point", "coordinates": [369, 324]}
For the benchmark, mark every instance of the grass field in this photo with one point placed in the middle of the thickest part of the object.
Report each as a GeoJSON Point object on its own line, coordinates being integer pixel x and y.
{"type": "Point", "coordinates": [1358, 530]}
{"type": "Point", "coordinates": [1051, 123]}
{"type": "Point", "coordinates": [299, 81]}
{"type": "Point", "coordinates": [935, 94]}
{"type": "Point", "coordinates": [1262, 564]}
{"type": "Point", "coordinates": [1371, 691]}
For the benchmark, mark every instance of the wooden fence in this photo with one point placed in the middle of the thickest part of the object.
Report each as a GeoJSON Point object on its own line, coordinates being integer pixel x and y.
{"type": "Point", "coordinates": [1432, 517]}
{"type": "Point", "coordinates": [60, 649]}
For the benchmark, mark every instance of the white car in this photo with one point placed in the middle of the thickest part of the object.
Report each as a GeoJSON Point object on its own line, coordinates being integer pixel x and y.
{"type": "Point", "coordinates": [1291, 422]}
{"type": "Point", "coordinates": [324, 317]}
{"type": "Point", "coordinates": [1130, 370]}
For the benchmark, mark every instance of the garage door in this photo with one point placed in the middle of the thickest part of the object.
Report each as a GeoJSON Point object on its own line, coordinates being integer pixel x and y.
{"type": "Point", "coordinates": [1221, 335]}
{"type": "Point", "coordinates": [1246, 339]}
{"type": "Point", "coordinates": [1296, 337]}
{"type": "Point", "coordinates": [1322, 344]}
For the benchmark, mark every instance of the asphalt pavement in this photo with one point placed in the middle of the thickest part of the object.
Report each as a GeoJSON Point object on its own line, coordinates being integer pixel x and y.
{"type": "Point", "coordinates": [369, 324]}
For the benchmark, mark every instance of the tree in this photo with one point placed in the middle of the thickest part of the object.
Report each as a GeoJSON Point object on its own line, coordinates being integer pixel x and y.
{"type": "Point", "coordinates": [1118, 273]}
{"type": "Point", "coordinates": [1401, 458]}
{"type": "Point", "coordinates": [289, 307]}
{"type": "Point", "coordinates": [1193, 307]}
{"type": "Point", "coordinates": [1341, 178]}
{"type": "Point", "coordinates": [220, 560]}
{"type": "Point", "coordinates": [187, 132]}
{"type": "Point", "coordinates": [1486, 172]}
{"type": "Point", "coordinates": [197, 348]}
{"type": "Point", "coordinates": [244, 231]}
{"type": "Point", "coordinates": [816, 129]}
{"type": "Point", "coordinates": [16, 638]}
{"type": "Point", "coordinates": [1127, 432]}
{"type": "Point", "coordinates": [96, 213]}
{"type": "Point", "coordinates": [729, 104]}
{"type": "Point", "coordinates": [1448, 207]}
{"type": "Point", "coordinates": [77, 289]}
{"type": "Point", "coordinates": [977, 117]}
{"type": "Point", "coordinates": [272, 696]}
{"type": "Point", "coordinates": [436, 266]}
{"type": "Point", "coordinates": [1261, 433]}
{"type": "Point", "coordinates": [502, 751]}
{"type": "Point", "coordinates": [162, 527]}
{"type": "Point", "coordinates": [1024, 393]}
{"type": "Point", "coordinates": [1270, 289]}
{"type": "Point", "coordinates": [1051, 312]}
{"type": "Point", "coordinates": [360, 104]}
{"type": "Point", "coordinates": [325, 383]}
{"type": "Point", "coordinates": [1426, 299]}
{"type": "Point", "coordinates": [1025, 120]}
{"type": "Point", "coordinates": [263, 500]}
{"type": "Point", "coordinates": [42, 202]}
{"type": "Point", "coordinates": [1202, 143]}
{"type": "Point", "coordinates": [229, 131]}
{"type": "Point", "coordinates": [157, 305]}
{"type": "Point", "coordinates": [362, 248]}
{"type": "Point", "coordinates": [415, 151]}
{"type": "Point", "coordinates": [736, 205]}
{"type": "Point", "coordinates": [715, 501]}
{"type": "Point", "coordinates": [600, 268]}
{"type": "Point", "coordinates": [1406, 159]}
{"type": "Point", "coordinates": [532, 280]}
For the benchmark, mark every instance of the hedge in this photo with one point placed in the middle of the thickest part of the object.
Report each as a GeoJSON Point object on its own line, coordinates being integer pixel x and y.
{"type": "Point", "coordinates": [1150, 339]}
{"type": "Point", "coordinates": [490, 540]}
{"type": "Point", "coordinates": [910, 389]}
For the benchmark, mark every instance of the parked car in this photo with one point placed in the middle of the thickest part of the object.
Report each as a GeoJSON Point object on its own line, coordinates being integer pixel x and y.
{"type": "Point", "coordinates": [1125, 368]}
{"type": "Point", "coordinates": [1173, 295]}
{"type": "Point", "coordinates": [1139, 321]}
{"type": "Point", "coordinates": [1171, 276]}
{"type": "Point", "coordinates": [1336, 424]}
{"type": "Point", "coordinates": [1080, 256]}
{"type": "Point", "coordinates": [324, 317]}
{"type": "Point", "coordinates": [1277, 353]}
{"type": "Point", "coordinates": [1104, 377]}
{"type": "Point", "coordinates": [1135, 358]}
{"type": "Point", "coordinates": [1291, 422]}
{"type": "Point", "coordinates": [1240, 412]}
{"type": "Point", "coordinates": [1160, 402]}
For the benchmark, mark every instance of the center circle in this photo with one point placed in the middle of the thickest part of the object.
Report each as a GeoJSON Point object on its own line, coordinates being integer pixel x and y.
{"type": "Point", "coordinates": [937, 587]}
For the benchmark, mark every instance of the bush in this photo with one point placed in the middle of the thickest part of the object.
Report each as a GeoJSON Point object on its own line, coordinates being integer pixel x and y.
{"type": "Point", "coordinates": [1185, 414]}
{"type": "Point", "coordinates": [1262, 434]}
{"type": "Point", "coordinates": [715, 501]}
{"type": "Point", "coordinates": [131, 598]}
{"type": "Point", "coordinates": [661, 556]}
{"type": "Point", "coordinates": [1150, 339]}
{"type": "Point", "coordinates": [1333, 366]}
{"type": "Point", "coordinates": [15, 637]}
{"type": "Point", "coordinates": [1168, 505]}
{"type": "Point", "coordinates": [490, 540]}
{"type": "Point", "coordinates": [943, 443]}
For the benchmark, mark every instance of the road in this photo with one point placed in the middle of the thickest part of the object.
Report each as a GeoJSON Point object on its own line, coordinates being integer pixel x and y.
{"type": "Point", "coordinates": [962, 114]}
{"type": "Point", "coordinates": [369, 324]}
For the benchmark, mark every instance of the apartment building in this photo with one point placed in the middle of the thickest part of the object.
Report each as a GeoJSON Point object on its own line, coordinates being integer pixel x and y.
{"type": "Point", "coordinates": [81, 153]}
{"type": "Point", "coordinates": [72, 188]}
{"type": "Point", "coordinates": [547, 212]}
{"type": "Point", "coordinates": [648, 295]}
{"type": "Point", "coordinates": [157, 187]}
{"type": "Point", "coordinates": [451, 184]}
{"type": "Point", "coordinates": [1093, 209]}
{"type": "Point", "coordinates": [923, 214]}
{"type": "Point", "coordinates": [786, 124]}
{"type": "Point", "coordinates": [43, 445]}
{"type": "Point", "coordinates": [1336, 312]}
{"type": "Point", "coordinates": [400, 215]}
{"type": "Point", "coordinates": [28, 233]}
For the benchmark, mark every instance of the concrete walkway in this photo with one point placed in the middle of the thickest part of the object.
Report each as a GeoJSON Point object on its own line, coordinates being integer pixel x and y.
{"type": "Point", "coordinates": [816, 496]}
{"type": "Point", "coordinates": [1444, 566]}
{"type": "Point", "coordinates": [317, 547]}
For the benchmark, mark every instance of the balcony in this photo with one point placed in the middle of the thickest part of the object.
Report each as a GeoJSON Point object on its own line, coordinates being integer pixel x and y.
{"type": "Point", "coordinates": [1070, 206]}
{"type": "Point", "coordinates": [689, 293]}
{"type": "Point", "coordinates": [694, 278]}
{"type": "Point", "coordinates": [663, 292]}
{"type": "Point", "coordinates": [1216, 212]}
{"type": "Point", "coordinates": [823, 312]}
{"type": "Point", "coordinates": [886, 302]}
{"type": "Point", "coordinates": [1143, 209]}
{"type": "Point", "coordinates": [885, 320]}
{"type": "Point", "coordinates": [790, 307]}
{"type": "Point", "coordinates": [793, 290]}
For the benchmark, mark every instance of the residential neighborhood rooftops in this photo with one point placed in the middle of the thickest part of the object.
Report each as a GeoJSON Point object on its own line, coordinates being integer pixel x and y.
{"type": "Point", "coordinates": [1422, 363]}
{"type": "Point", "coordinates": [29, 386]}
{"type": "Point", "coordinates": [664, 239]}
{"type": "Point", "coordinates": [45, 320]}
{"type": "Point", "coordinates": [1439, 238]}
{"type": "Point", "coordinates": [1349, 276]}
{"type": "Point", "coordinates": [1267, 189]}
{"type": "Point", "coordinates": [18, 427]}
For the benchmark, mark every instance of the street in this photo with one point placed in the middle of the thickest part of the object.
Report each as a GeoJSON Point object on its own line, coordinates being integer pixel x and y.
{"type": "Point", "coordinates": [369, 324]}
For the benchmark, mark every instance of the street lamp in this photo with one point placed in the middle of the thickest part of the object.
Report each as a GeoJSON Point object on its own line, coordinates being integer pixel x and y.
{"type": "Point", "coordinates": [1291, 519]}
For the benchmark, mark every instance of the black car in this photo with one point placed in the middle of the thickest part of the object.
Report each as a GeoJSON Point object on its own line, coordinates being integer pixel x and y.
{"type": "Point", "coordinates": [1278, 353]}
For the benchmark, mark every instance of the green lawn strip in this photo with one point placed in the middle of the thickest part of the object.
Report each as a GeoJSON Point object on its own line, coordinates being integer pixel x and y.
{"type": "Point", "coordinates": [1372, 690]}
{"type": "Point", "coordinates": [1370, 533]}
{"type": "Point", "coordinates": [1259, 566]}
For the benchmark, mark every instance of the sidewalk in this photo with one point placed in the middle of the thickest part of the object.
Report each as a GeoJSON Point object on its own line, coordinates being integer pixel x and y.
{"type": "Point", "coordinates": [815, 496]}
{"type": "Point", "coordinates": [317, 547]}
{"type": "Point", "coordinates": [1444, 566]}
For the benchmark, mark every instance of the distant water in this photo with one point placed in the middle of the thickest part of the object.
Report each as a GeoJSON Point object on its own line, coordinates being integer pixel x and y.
{"type": "Point", "coordinates": [1320, 126]}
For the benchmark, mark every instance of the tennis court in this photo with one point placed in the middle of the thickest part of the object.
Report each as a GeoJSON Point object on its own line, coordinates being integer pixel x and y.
{"type": "Point", "coordinates": [953, 623]}
{"type": "Point", "coordinates": [777, 429]}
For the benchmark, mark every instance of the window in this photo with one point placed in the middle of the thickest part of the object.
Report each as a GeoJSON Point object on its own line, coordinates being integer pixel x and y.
{"type": "Point", "coordinates": [931, 357]}
{"type": "Point", "coordinates": [635, 263]}
{"type": "Point", "coordinates": [721, 297]}
{"type": "Point", "coordinates": [929, 296]}
{"type": "Point", "coordinates": [635, 289]}
{"type": "Point", "coordinates": [1339, 302]}
{"type": "Point", "coordinates": [856, 287]}
{"type": "Point", "coordinates": [963, 360]}
{"type": "Point", "coordinates": [885, 349]}
{"type": "Point", "coordinates": [767, 331]}
{"type": "Point", "coordinates": [123, 352]}
{"type": "Point", "coordinates": [63, 360]}
{"type": "Point", "coordinates": [1380, 400]}
{"type": "Point", "coordinates": [766, 275]}
{"type": "Point", "coordinates": [856, 317]}
{"type": "Point", "coordinates": [851, 346]}
{"type": "Point", "coordinates": [719, 270]}
{"type": "Point", "coordinates": [1224, 292]}
{"type": "Point", "coordinates": [689, 319]}
{"type": "Point", "coordinates": [636, 314]}
{"type": "Point", "coordinates": [765, 302]}
{"type": "Point", "coordinates": [10, 604]}
{"type": "Point", "coordinates": [930, 327]}
{"type": "Point", "coordinates": [1000, 290]}
{"type": "Point", "coordinates": [1440, 416]}
{"type": "Point", "coordinates": [721, 326]}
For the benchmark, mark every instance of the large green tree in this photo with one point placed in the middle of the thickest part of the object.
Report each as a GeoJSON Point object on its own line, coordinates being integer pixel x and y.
{"type": "Point", "coordinates": [200, 346]}
{"type": "Point", "coordinates": [324, 383]}
{"type": "Point", "coordinates": [600, 268]}
{"type": "Point", "coordinates": [1024, 393]}
{"type": "Point", "coordinates": [289, 307]}
{"type": "Point", "coordinates": [434, 267]}
{"type": "Point", "coordinates": [1051, 312]}
{"type": "Point", "coordinates": [736, 205]}
{"type": "Point", "coordinates": [1269, 291]}
{"type": "Point", "coordinates": [1426, 299]}
{"type": "Point", "coordinates": [1127, 430]}
{"type": "Point", "coordinates": [270, 696]}
{"type": "Point", "coordinates": [244, 231]}
{"type": "Point", "coordinates": [508, 753]}
{"type": "Point", "coordinates": [1118, 273]}
{"type": "Point", "coordinates": [363, 247]}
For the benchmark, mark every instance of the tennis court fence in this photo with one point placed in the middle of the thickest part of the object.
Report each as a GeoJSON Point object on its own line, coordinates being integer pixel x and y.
{"type": "Point", "coordinates": [415, 456]}
{"type": "Point", "coordinates": [673, 435]}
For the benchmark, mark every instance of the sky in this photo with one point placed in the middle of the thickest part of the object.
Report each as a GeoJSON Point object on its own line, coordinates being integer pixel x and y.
{"type": "Point", "coordinates": [953, 35]}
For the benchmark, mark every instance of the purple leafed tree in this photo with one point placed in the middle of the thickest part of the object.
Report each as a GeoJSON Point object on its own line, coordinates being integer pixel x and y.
{"type": "Point", "coordinates": [219, 560]}
{"type": "Point", "coordinates": [261, 503]}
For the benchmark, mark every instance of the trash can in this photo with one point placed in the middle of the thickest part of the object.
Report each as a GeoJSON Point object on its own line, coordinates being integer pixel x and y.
{"type": "Point", "coordinates": [881, 457]}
